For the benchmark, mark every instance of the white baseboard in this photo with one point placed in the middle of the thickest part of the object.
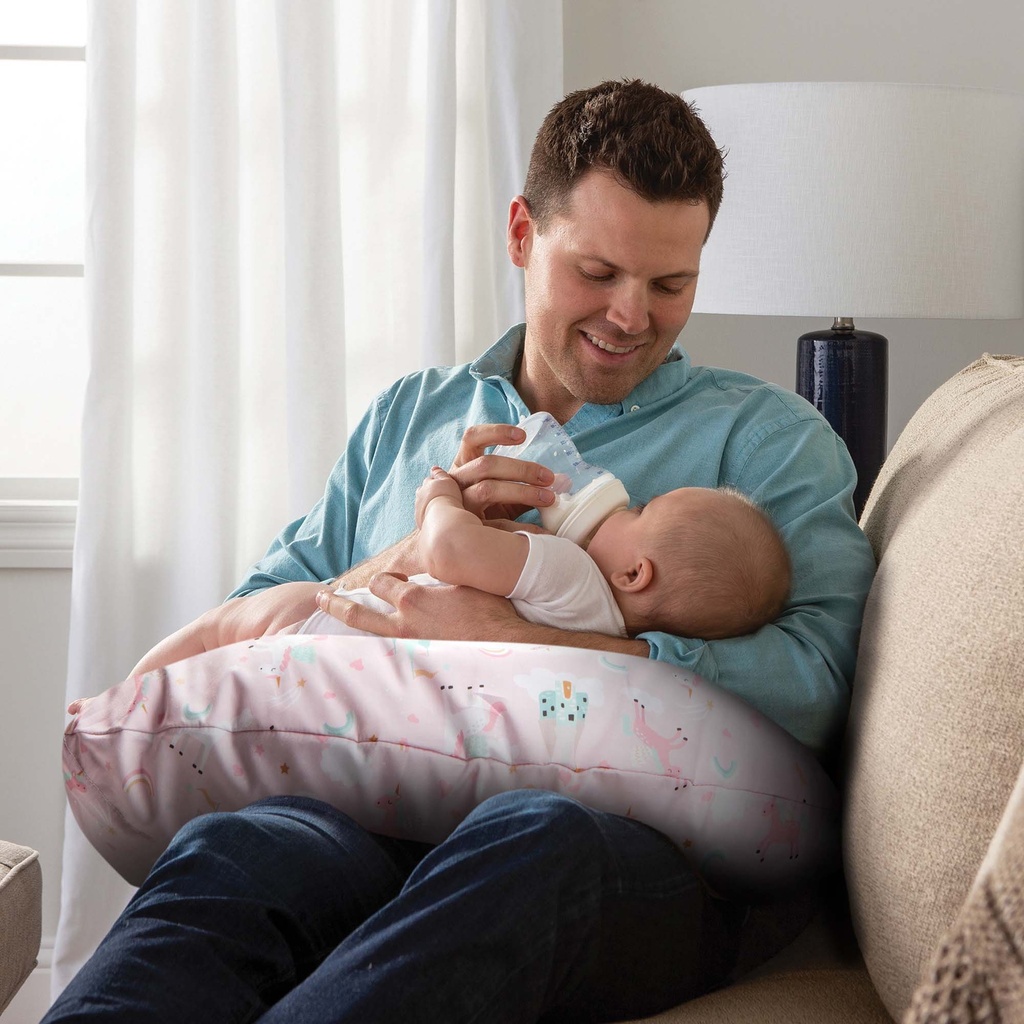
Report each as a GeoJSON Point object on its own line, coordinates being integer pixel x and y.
{"type": "Point", "coordinates": [33, 998]}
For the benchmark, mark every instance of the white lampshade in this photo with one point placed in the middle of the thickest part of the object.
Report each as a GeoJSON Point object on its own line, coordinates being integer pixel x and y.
{"type": "Point", "coordinates": [866, 200]}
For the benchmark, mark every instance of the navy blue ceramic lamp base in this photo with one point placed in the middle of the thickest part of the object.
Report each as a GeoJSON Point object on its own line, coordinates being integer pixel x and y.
{"type": "Point", "coordinates": [844, 374]}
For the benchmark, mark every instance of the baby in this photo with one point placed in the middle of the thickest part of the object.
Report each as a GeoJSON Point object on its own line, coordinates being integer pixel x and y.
{"type": "Point", "coordinates": [697, 562]}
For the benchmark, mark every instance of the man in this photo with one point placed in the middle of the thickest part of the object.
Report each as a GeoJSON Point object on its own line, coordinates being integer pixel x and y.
{"type": "Point", "coordinates": [535, 908]}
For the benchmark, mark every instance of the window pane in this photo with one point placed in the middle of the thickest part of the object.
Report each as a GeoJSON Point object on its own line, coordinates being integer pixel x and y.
{"type": "Point", "coordinates": [42, 192]}
{"type": "Point", "coordinates": [42, 351]}
{"type": "Point", "coordinates": [42, 22]}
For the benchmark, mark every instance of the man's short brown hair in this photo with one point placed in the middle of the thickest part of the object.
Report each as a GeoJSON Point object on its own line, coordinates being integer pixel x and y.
{"type": "Point", "coordinates": [653, 141]}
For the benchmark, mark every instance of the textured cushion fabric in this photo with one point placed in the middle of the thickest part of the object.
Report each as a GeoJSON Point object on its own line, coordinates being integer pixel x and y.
{"type": "Point", "coordinates": [977, 973]}
{"type": "Point", "coordinates": [936, 734]}
{"type": "Point", "coordinates": [837, 995]}
{"type": "Point", "coordinates": [21, 889]}
{"type": "Point", "coordinates": [816, 979]}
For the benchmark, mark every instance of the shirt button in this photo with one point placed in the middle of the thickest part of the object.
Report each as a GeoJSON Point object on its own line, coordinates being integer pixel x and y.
{"type": "Point", "coordinates": [634, 408]}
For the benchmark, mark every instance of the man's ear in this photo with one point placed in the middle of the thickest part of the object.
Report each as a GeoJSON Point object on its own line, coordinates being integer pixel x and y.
{"type": "Point", "coordinates": [638, 577]}
{"type": "Point", "coordinates": [519, 236]}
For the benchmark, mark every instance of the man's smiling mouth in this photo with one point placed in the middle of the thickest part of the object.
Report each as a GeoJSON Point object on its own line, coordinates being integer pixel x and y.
{"type": "Point", "coordinates": [606, 346]}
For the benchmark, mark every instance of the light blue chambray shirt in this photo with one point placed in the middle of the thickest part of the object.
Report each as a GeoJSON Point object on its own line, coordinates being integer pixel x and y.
{"type": "Point", "coordinates": [682, 426]}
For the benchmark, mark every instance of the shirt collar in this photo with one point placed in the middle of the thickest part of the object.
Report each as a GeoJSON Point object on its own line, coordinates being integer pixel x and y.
{"type": "Point", "coordinates": [666, 380]}
{"type": "Point", "coordinates": [500, 361]}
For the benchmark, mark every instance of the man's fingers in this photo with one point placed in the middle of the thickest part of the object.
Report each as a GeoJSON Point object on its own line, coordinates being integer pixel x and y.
{"type": "Point", "coordinates": [502, 467]}
{"type": "Point", "coordinates": [357, 616]}
{"type": "Point", "coordinates": [478, 438]}
{"type": "Point", "coordinates": [505, 499]}
{"type": "Point", "coordinates": [494, 484]}
{"type": "Point", "coordinates": [388, 579]}
{"type": "Point", "coordinates": [426, 613]}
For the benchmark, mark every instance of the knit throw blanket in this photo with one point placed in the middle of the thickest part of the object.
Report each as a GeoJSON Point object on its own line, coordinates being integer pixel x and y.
{"type": "Point", "coordinates": [977, 974]}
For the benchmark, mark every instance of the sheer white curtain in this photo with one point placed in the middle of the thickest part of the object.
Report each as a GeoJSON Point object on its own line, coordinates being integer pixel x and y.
{"type": "Point", "coordinates": [289, 205]}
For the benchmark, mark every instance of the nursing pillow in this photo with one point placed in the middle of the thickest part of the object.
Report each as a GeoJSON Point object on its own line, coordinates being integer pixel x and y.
{"type": "Point", "coordinates": [408, 736]}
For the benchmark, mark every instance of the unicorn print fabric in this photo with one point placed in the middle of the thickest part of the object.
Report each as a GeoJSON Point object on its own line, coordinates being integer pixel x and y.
{"type": "Point", "coordinates": [408, 736]}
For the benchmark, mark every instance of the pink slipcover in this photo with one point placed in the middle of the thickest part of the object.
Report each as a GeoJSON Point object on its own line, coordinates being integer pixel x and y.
{"type": "Point", "coordinates": [408, 736]}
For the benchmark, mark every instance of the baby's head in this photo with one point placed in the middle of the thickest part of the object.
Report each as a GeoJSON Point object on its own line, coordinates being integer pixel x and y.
{"type": "Point", "coordinates": [697, 562]}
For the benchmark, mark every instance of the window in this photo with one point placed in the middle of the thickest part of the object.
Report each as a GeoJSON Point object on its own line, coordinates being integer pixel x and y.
{"type": "Point", "coordinates": [42, 305]}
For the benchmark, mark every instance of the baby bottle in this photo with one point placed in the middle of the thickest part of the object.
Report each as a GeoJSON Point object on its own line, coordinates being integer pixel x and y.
{"type": "Point", "coordinates": [585, 495]}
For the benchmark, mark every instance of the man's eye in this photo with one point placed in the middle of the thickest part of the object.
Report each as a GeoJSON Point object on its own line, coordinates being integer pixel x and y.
{"type": "Point", "coordinates": [668, 289]}
{"type": "Point", "coordinates": [596, 277]}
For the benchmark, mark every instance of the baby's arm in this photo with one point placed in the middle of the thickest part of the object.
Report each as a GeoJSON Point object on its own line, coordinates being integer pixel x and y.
{"type": "Point", "coordinates": [457, 547]}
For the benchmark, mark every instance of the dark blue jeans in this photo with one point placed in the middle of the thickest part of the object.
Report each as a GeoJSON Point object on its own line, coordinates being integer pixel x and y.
{"type": "Point", "coordinates": [535, 908]}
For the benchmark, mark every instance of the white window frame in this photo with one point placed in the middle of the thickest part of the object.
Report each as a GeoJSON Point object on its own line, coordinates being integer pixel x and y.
{"type": "Point", "coordinates": [37, 516]}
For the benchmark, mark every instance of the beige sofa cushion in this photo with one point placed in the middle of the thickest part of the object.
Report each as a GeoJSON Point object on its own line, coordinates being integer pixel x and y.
{"type": "Point", "coordinates": [838, 995]}
{"type": "Point", "coordinates": [936, 735]}
{"type": "Point", "coordinates": [21, 887]}
{"type": "Point", "coordinates": [818, 979]}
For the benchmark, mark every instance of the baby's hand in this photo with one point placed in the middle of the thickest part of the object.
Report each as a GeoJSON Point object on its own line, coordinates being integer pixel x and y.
{"type": "Point", "coordinates": [438, 484]}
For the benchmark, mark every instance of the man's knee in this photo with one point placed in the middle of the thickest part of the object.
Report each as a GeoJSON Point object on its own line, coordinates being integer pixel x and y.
{"type": "Point", "coordinates": [257, 844]}
{"type": "Point", "coordinates": [228, 828]}
{"type": "Point", "coordinates": [539, 817]}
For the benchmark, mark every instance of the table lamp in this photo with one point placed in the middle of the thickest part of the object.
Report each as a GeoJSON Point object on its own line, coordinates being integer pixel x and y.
{"type": "Point", "coordinates": [860, 199]}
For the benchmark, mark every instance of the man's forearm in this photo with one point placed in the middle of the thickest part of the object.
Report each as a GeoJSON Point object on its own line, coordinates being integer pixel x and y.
{"type": "Point", "coordinates": [402, 557]}
{"type": "Point", "coordinates": [195, 638]}
{"type": "Point", "coordinates": [462, 613]}
{"type": "Point", "coordinates": [521, 631]}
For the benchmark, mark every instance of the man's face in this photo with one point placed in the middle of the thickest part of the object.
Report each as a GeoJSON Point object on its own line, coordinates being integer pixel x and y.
{"type": "Point", "coordinates": [609, 285]}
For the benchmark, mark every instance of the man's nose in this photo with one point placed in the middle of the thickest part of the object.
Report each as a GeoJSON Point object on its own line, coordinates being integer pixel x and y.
{"type": "Point", "coordinates": [628, 308]}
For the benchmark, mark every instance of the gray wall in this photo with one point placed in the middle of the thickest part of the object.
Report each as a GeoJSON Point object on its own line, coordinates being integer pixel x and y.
{"type": "Point", "coordinates": [681, 44]}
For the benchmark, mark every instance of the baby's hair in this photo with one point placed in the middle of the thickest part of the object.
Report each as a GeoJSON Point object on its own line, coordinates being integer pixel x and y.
{"type": "Point", "coordinates": [719, 576]}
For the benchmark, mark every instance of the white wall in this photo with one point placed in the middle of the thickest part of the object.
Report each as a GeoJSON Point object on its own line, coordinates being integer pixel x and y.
{"type": "Point", "coordinates": [34, 610]}
{"type": "Point", "coordinates": [682, 44]}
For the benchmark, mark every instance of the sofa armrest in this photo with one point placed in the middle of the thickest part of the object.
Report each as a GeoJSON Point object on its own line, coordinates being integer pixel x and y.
{"type": "Point", "coordinates": [21, 917]}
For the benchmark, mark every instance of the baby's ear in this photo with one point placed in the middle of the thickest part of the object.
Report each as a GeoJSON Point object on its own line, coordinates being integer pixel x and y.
{"type": "Point", "coordinates": [638, 577]}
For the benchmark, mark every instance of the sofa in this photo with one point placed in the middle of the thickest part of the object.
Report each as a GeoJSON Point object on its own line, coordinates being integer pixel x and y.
{"type": "Point", "coordinates": [925, 923]}
{"type": "Point", "coordinates": [21, 914]}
